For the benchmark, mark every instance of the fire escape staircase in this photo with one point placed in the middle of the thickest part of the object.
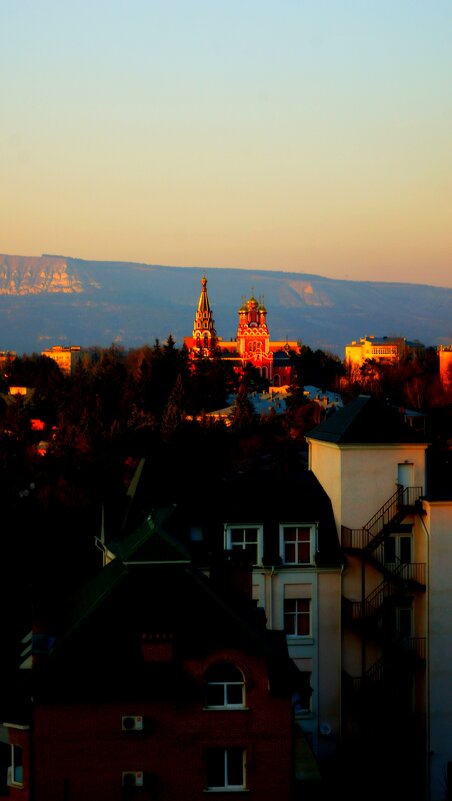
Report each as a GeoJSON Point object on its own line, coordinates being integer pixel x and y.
{"type": "Point", "coordinates": [404, 501]}
{"type": "Point", "coordinates": [368, 616]}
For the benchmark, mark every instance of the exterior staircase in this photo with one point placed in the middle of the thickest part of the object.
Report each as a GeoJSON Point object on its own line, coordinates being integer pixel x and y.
{"type": "Point", "coordinates": [402, 502]}
{"type": "Point", "coordinates": [369, 617]}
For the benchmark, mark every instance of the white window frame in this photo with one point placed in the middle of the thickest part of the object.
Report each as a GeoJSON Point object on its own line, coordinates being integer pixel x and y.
{"type": "Point", "coordinates": [296, 615]}
{"type": "Point", "coordinates": [226, 787]}
{"type": "Point", "coordinates": [226, 683]}
{"type": "Point", "coordinates": [12, 781]}
{"type": "Point", "coordinates": [228, 538]}
{"type": "Point", "coordinates": [312, 542]}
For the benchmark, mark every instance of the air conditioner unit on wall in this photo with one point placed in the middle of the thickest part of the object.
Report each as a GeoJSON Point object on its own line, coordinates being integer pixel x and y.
{"type": "Point", "coordinates": [325, 729]}
{"type": "Point", "coordinates": [132, 722]}
{"type": "Point", "coordinates": [132, 778]}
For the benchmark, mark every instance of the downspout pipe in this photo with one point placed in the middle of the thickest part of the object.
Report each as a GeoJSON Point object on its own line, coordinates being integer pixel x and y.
{"type": "Point", "coordinates": [427, 651]}
{"type": "Point", "coordinates": [270, 599]}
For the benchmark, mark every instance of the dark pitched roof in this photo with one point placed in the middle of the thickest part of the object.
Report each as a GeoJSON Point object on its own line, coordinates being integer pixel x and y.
{"type": "Point", "coordinates": [365, 420]}
{"type": "Point", "coordinates": [151, 543]}
{"type": "Point", "coordinates": [105, 621]}
{"type": "Point", "coordinates": [260, 497]}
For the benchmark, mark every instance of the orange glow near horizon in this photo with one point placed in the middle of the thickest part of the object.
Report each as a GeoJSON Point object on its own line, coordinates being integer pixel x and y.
{"type": "Point", "coordinates": [267, 140]}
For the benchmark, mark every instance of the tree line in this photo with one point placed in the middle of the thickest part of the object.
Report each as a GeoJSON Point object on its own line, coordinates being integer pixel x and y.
{"type": "Point", "coordinates": [69, 448]}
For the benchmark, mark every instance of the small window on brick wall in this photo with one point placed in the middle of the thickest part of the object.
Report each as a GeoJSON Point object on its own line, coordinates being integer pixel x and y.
{"type": "Point", "coordinates": [225, 769]}
{"type": "Point", "coordinates": [225, 687]}
{"type": "Point", "coordinates": [15, 770]}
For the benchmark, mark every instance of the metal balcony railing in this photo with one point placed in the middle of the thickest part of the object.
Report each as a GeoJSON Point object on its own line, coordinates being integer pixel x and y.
{"type": "Point", "coordinates": [373, 604]}
{"type": "Point", "coordinates": [395, 508]}
{"type": "Point", "coordinates": [385, 668]}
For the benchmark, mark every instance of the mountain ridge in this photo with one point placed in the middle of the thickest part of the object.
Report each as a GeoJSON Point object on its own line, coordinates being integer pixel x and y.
{"type": "Point", "coordinates": [57, 300]}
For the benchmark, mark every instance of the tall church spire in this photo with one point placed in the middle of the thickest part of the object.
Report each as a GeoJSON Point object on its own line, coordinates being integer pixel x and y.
{"type": "Point", "coordinates": [204, 332]}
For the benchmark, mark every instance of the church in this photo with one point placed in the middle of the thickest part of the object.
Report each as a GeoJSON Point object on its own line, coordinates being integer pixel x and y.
{"type": "Point", "coordinates": [252, 344]}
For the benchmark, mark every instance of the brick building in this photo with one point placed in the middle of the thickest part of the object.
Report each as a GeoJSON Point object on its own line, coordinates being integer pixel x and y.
{"type": "Point", "coordinates": [153, 684]}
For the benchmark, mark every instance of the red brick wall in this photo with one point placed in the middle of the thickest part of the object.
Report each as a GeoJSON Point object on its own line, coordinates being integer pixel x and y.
{"type": "Point", "coordinates": [21, 737]}
{"type": "Point", "coordinates": [84, 744]}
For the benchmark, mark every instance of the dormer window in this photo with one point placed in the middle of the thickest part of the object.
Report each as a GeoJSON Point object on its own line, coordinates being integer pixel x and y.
{"type": "Point", "coordinates": [297, 543]}
{"type": "Point", "coordinates": [245, 538]}
{"type": "Point", "coordinates": [225, 687]}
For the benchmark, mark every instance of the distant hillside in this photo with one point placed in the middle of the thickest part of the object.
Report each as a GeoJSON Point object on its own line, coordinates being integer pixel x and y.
{"type": "Point", "coordinates": [49, 300]}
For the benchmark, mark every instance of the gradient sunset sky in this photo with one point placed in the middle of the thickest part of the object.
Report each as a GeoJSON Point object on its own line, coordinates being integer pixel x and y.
{"type": "Point", "coordinates": [311, 136]}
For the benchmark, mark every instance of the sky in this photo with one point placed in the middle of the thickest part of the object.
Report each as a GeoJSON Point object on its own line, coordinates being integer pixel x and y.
{"type": "Point", "coordinates": [298, 135]}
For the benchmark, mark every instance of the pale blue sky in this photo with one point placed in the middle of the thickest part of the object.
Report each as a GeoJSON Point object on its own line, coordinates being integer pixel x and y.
{"type": "Point", "coordinates": [289, 135]}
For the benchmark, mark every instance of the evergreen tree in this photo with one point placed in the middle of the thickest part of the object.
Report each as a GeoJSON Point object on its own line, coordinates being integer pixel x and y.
{"type": "Point", "coordinates": [243, 413]}
{"type": "Point", "coordinates": [175, 411]}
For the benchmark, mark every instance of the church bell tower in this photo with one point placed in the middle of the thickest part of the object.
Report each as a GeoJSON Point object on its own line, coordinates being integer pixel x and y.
{"type": "Point", "coordinates": [204, 334]}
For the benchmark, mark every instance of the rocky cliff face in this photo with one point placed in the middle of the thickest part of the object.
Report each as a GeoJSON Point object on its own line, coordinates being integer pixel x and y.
{"type": "Point", "coordinates": [51, 300]}
{"type": "Point", "coordinates": [33, 275]}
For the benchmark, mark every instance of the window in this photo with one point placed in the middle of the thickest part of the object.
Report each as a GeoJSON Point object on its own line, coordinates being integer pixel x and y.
{"type": "Point", "coordinates": [401, 622]}
{"type": "Point", "coordinates": [225, 687]}
{"type": "Point", "coordinates": [397, 548]}
{"type": "Point", "coordinates": [225, 769]}
{"type": "Point", "coordinates": [302, 699]}
{"type": "Point", "coordinates": [247, 539]}
{"type": "Point", "coordinates": [297, 544]}
{"type": "Point", "coordinates": [297, 617]}
{"type": "Point", "coordinates": [404, 621]}
{"type": "Point", "coordinates": [15, 772]}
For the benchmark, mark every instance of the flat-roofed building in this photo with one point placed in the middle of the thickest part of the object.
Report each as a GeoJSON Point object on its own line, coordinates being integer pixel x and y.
{"type": "Point", "coordinates": [445, 365]}
{"type": "Point", "coordinates": [381, 349]}
{"type": "Point", "coordinates": [66, 357]}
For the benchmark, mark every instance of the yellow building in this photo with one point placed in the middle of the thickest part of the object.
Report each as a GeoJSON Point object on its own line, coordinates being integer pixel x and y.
{"type": "Point", "coordinates": [396, 645]}
{"type": "Point", "coordinates": [381, 349]}
{"type": "Point", "coordinates": [445, 365]}
{"type": "Point", "coordinates": [65, 357]}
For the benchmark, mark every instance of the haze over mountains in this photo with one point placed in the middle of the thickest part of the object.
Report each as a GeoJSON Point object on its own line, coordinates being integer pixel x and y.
{"type": "Point", "coordinates": [57, 300]}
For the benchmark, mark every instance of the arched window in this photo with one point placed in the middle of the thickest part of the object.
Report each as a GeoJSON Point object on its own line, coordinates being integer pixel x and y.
{"type": "Point", "coordinates": [225, 687]}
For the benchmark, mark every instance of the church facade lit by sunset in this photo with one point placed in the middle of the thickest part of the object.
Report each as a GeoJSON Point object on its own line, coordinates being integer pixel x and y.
{"type": "Point", "coordinates": [252, 344]}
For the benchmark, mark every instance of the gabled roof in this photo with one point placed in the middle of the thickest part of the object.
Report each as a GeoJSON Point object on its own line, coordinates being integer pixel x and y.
{"type": "Point", "coordinates": [99, 640]}
{"type": "Point", "coordinates": [365, 421]}
{"type": "Point", "coordinates": [151, 544]}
